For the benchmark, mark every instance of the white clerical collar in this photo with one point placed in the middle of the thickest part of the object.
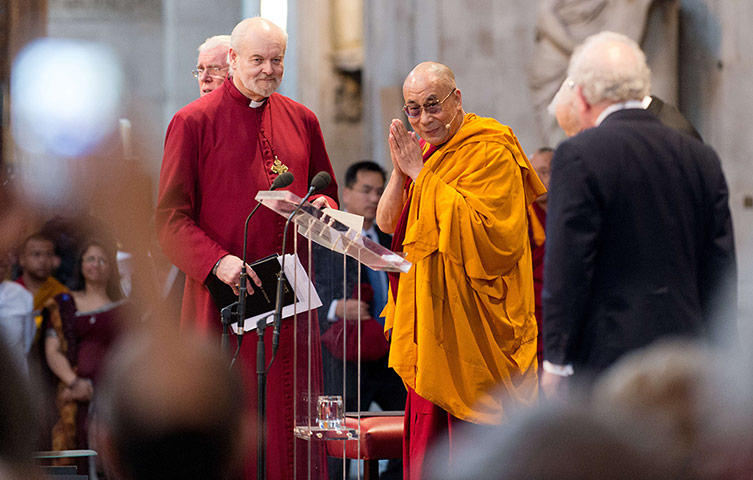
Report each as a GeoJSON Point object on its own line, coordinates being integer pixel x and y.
{"type": "Point", "coordinates": [615, 107]}
{"type": "Point", "coordinates": [255, 104]}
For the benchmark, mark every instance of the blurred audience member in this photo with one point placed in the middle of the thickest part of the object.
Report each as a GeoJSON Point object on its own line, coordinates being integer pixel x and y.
{"type": "Point", "coordinates": [553, 442]}
{"type": "Point", "coordinates": [541, 161]}
{"type": "Point", "coordinates": [212, 66]}
{"type": "Point", "coordinates": [80, 327]}
{"type": "Point", "coordinates": [169, 410]}
{"type": "Point", "coordinates": [657, 391]}
{"type": "Point", "coordinates": [18, 426]}
{"type": "Point", "coordinates": [17, 326]}
{"type": "Point", "coordinates": [687, 404]}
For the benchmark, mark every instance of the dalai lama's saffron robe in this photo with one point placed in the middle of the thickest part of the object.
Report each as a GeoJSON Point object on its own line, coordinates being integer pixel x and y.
{"type": "Point", "coordinates": [219, 153]}
{"type": "Point", "coordinates": [462, 325]}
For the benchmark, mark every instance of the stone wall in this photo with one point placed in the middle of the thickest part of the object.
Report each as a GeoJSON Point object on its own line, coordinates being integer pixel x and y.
{"type": "Point", "coordinates": [716, 92]}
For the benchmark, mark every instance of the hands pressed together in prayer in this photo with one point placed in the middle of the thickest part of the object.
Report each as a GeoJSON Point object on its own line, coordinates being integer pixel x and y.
{"type": "Point", "coordinates": [229, 272]}
{"type": "Point", "coordinates": [407, 161]}
{"type": "Point", "coordinates": [405, 150]}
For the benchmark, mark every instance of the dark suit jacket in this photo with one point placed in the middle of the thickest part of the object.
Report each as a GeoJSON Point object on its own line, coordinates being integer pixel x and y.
{"type": "Point", "coordinates": [329, 273]}
{"type": "Point", "coordinates": [639, 241]}
{"type": "Point", "coordinates": [671, 117]}
{"type": "Point", "coordinates": [379, 383]}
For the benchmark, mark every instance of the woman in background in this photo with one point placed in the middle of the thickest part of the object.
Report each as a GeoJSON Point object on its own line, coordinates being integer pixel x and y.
{"type": "Point", "coordinates": [80, 328]}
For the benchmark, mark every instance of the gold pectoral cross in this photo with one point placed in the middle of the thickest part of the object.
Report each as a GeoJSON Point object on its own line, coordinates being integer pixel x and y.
{"type": "Point", "coordinates": [278, 167]}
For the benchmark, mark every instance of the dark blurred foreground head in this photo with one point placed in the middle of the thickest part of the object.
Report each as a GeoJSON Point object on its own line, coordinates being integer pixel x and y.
{"type": "Point", "coordinates": [553, 442]}
{"type": "Point", "coordinates": [170, 409]}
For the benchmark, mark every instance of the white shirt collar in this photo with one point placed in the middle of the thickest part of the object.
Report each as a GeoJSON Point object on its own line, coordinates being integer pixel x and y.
{"type": "Point", "coordinates": [615, 107]}
{"type": "Point", "coordinates": [255, 104]}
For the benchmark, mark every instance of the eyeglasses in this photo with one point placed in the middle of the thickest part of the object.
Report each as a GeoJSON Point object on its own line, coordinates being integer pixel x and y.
{"type": "Point", "coordinates": [432, 108]}
{"type": "Point", "coordinates": [98, 260]}
{"type": "Point", "coordinates": [213, 71]}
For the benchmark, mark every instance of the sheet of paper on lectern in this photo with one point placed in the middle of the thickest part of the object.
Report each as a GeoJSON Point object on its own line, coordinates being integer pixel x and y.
{"type": "Point", "coordinates": [350, 220]}
{"type": "Point", "coordinates": [306, 296]}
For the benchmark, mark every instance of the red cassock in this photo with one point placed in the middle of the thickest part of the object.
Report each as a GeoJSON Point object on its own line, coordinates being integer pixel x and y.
{"type": "Point", "coordinates": [219, 152]}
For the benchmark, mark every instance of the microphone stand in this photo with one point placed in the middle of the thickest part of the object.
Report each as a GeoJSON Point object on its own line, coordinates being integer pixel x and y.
{"type": "Point", "coordinates": [283, 180]}
{"type": "Point", "coordinates": [261, 374]}
{"type": "Point", "coordinates": [261, 324]}
{"type": "Point", "coordinates": [320, 181]}
{"type": "Point", "coordinates": [227, 318]}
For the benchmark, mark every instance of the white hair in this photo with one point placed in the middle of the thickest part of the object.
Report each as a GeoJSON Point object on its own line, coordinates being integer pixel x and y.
{"type": "Point", "coordinates": [610, 66]}
{"type": "Point", "coordinates": [215, 41]}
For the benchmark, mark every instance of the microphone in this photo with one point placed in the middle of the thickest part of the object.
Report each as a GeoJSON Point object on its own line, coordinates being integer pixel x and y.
{"type": "Point", "coordinates": [320, 181]}
{"type": "Point", "coordinates": [281, 181]}
{"type": "Point", "coordinates": [449, 124]}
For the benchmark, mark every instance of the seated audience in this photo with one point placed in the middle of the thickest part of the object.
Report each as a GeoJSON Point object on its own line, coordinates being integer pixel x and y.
{"type": "Point", "coordinates": [79, 328]}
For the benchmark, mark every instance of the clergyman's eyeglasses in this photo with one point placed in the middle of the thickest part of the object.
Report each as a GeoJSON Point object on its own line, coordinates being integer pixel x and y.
{"type": "Point", "coordinates": [213, 71]}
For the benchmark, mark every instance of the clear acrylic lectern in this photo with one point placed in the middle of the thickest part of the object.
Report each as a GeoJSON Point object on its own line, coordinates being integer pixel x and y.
{"type": "Point", "coordinates": [323, 410]}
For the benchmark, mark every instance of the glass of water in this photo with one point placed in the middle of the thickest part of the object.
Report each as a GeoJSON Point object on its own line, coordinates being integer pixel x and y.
{"type": "Point", "coordinates": [330, 412]}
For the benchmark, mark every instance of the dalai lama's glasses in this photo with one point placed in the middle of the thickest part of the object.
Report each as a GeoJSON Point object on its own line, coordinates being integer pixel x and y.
{"type": "Point", "coordinates": [432, 108]}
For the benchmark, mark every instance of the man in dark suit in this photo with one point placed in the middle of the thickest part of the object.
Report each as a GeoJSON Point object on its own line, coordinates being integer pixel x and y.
{"type": "Point", "coordinates": [364, 183]}
{"type": "Point", "coordinates": [639, 232]}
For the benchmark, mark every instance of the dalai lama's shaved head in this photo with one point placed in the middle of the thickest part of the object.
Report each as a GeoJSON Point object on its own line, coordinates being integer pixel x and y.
{"type": "Point", "coordinates": [437, 73]}
{"type": "Point", "coordinates": [431, 84]}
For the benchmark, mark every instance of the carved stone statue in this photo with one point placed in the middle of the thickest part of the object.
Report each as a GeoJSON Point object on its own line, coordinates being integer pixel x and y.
{"type": "Point", "coordinates": [561, 26]}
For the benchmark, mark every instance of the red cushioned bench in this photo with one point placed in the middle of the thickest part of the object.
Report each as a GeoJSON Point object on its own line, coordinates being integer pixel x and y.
{"type": "Point", "coordinates": [381, 437]}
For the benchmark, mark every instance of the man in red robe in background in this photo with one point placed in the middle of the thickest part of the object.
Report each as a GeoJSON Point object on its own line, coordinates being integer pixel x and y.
{"type": "Point", "coordinates": [212, 68]}
{"type": "Point", "coordinates": [220, 150]}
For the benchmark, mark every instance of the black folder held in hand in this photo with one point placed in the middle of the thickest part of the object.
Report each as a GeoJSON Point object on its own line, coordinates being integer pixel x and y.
{"type": "Point", "coordinates": [263, 298]}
